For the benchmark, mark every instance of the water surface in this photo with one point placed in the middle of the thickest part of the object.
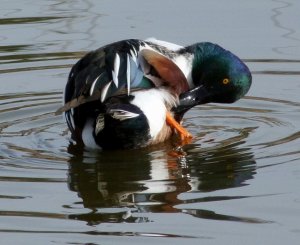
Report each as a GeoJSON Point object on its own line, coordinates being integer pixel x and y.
{"type": "Point", "coordinates": [237, 182]}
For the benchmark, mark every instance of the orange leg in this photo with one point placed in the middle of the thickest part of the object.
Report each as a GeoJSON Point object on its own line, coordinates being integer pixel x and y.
{"type": "Point", "coordinates": [184, 134]}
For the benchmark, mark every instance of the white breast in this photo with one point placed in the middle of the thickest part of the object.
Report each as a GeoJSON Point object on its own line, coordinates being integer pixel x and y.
{"type": "Point", "coordinates": [153, 103]}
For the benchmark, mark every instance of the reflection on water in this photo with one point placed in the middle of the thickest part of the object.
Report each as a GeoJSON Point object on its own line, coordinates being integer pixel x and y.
{"type": "Point", "coordinates": [126, 186]}
{"type": "Point", "coordinates": [152, 181]}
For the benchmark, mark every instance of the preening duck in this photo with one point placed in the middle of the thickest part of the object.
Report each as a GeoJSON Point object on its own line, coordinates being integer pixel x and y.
{"type": "Point", "coordinates": [134, 93]}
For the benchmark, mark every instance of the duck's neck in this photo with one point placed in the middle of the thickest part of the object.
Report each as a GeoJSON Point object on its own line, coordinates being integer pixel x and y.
{"type": "Point", "coordinates": [203, 53]}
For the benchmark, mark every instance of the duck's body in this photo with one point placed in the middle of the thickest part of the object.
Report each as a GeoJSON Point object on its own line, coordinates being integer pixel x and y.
{"type": "Point", "coordinates": [120, 95]}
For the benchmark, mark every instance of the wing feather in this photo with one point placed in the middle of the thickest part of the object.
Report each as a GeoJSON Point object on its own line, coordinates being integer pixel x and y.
{"type": "Point", "coordinates": [107, 71]}
{"type": "Point", "coordinates": [128, 73]}
{"type": "Point", "coordinates": [93, 84]}
{"type": "Point", "coordinates": [113, 70]}
{"type": "Point", "coordinates": [116, 69]}
{"type": "Point", "coordinates": [91, 77]}
{"type": "Point", "coordinates": [170, 73]}
{"type": "Point", "coordinates": [104, 91]}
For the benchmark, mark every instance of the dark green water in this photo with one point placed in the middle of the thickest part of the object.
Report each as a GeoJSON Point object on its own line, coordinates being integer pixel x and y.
{"type": "Point", "coordinates": [236, 183]}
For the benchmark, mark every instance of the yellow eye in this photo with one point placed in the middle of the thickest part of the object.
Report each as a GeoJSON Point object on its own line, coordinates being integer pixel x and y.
{"type": "Point", "coordinates": [225, 81]}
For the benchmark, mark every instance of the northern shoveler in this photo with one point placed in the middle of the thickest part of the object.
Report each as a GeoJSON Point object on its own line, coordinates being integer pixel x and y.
{"type": "Point", "coordinates": [134, 93]}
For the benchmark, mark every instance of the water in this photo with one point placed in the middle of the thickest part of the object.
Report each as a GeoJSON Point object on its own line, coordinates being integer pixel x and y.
{"type": "Point", "coordinates": [236, 183]}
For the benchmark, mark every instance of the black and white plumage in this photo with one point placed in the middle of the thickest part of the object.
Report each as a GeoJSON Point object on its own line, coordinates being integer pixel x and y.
{"type": "Point", "coordinates": [128, 74]}
{"type": "Point", "coordinates": [118, 95]}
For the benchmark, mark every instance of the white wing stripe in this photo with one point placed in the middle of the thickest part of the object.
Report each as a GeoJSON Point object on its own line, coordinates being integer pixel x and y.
{"type": "Point", "coordinates": [122, 114]}
{"type": "Point", "coordinates": [104, 91]}
{"type": "Point", "coordinates": [93, 85]}
{"type": "Point", "coordinates": [115, 72]}
{"type": "Point", "coordinates": [133, 50]}
{"type": "Point", "coordinates": [133, 55]}
{"type": "Point", "coordinates": [128, 74]}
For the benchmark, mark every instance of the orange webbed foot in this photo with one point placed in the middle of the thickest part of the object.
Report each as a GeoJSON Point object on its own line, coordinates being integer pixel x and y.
{"type": "Point", "coordinates": [185, 136]}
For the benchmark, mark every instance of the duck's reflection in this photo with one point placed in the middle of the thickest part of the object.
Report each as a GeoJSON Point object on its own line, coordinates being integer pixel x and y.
{"type": "Point", "coordinates": [116, 184]}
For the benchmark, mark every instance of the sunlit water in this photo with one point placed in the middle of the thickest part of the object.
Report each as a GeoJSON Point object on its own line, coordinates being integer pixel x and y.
{"type": "Point", "coordinates": [236, 183]}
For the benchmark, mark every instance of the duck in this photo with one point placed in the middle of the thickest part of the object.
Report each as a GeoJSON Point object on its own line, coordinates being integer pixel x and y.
{"type": "Point", "coordinates": [134, 93]}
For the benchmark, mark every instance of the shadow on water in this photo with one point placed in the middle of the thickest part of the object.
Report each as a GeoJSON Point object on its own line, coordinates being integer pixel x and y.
{"type": "Point", "coordinates": [120, 187]}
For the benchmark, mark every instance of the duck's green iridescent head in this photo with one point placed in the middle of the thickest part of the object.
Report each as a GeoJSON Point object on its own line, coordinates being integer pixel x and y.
{"type": "Point", "coordinates": [222, 74]}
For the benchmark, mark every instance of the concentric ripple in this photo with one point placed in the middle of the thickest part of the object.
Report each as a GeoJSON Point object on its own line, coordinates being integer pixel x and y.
{"type": "Point", "coordinates": [255, 123]}
{"type": "Point", "coordinates": [32, 133]}
{"type": "Point", "coordinates": [29, 130]}
{"type": "Point", "coordinates": [231, 143]}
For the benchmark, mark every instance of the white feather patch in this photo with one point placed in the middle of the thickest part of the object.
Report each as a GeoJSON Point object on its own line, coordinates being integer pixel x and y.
{"type": "Point", "coordinates": [115, 71]}
{"type": "Point", "coordinates": [185, 65]}
{"type": "Point", "coordinates": [122, 114]}
{"type": "Point", "coordinates": [153, 104]}
{"type": "Point", "coordinates": [104, 91]}
{"type": "Point", "coordinates": [128, 74]}
{"type": "Point", "coordinates": [93, 85]}
{"type": "Point", "coordinates": [171, 46]}
{"type": "Point", "coordinates": [133, 50]}
{"type": "Point", "coordinates": [133, 55]}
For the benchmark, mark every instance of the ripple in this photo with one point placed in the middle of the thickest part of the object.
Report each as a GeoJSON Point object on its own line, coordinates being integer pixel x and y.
{"type": "Point", "coordinates": [103, 233]}
{"type": "Point", "coordinates": [252, 124]}
{"type": "Point", "coordinates": [13, 63]}
{"type": "Point", "coordinates": [27, 20]}
{"type": "Point", "coordinates": [30, 131]}
{"type": "Point", "coordinates": [32, 138]}
{"type": "Point", "coordinates": [207, 214]}
{"type": "Point", "coordinates": [230, 143]}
